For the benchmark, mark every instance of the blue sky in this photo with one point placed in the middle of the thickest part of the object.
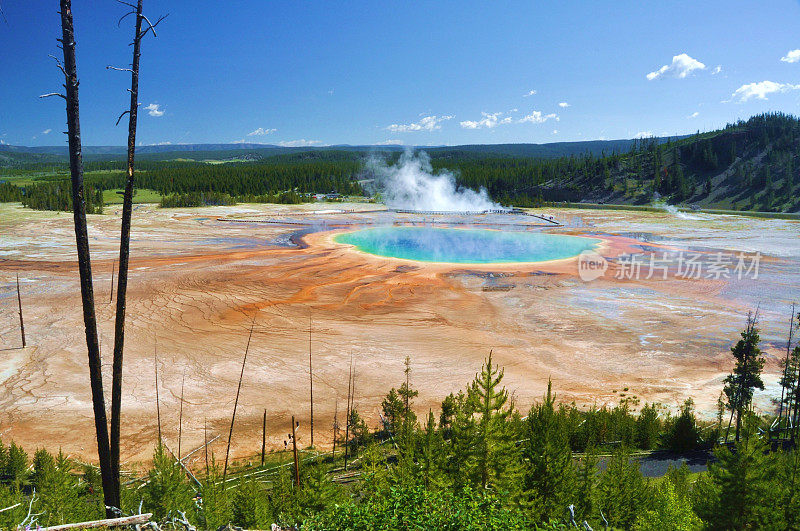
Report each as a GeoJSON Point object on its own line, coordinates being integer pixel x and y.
{"type": "Point", "coordinates": [399, 72]}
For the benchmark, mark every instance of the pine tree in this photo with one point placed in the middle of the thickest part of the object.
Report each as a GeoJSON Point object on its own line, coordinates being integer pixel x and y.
{"type": "Point", "coordinates": [550, 475]}
{"type": "Point", "coordinates": [215, 511]}
{"type": "Point", "coordinates": [668, 511]}
{"type": "Point", "coordinates": [648, 426]}
{"type": "Point", "coordinates": [586, 484]}
{"type": "Point", "coordinates": [495, 452]}
{"type": "Point", "coordinates": [392, 407]}
{"type": "Point", "coordinates": [622, 491]}
{"type": "Point", "coordinates": [16, 466]}
{"type": "Point", "coordinates": [748, 498]}
{"type": "Point", "coordinates": [789, 382]}
{"type": "Point", "coordinates": [682, 434]}
{"type": "Point", "coordinates": [430, 458]}
{"type": "Point", "coordinates": [458, 428]}
{"type": "Point", "coordinates": [746, 375]}
{"type": "Point", "coordinates": [10, 518]}
{"type": "Point", "coordinates": [59, 493]}
{"type": "Point", "coordinates": [166, 490]}
{"type": "Point", "coordinates": [409, 419]}
{"type": "Point", "coordinates": [789, 480]}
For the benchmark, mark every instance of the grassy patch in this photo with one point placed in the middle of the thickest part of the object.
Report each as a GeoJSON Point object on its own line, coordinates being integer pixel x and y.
{"type": "Point", "coordinates": [111, 197]}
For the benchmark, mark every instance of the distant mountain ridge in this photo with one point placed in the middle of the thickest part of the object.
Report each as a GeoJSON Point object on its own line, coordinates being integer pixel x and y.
{"type": "Point", "coordinates": [546, 150]}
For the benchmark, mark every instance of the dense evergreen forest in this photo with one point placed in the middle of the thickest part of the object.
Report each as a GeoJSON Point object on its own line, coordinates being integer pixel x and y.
{"type": "Point", "coordinates": [749, 165]}
{"type": "Point", "coordinates": [477, 463]}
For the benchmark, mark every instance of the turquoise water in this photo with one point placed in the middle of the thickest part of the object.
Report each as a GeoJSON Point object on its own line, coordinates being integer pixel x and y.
{"type": "Point", "coordinates": [465, 246]}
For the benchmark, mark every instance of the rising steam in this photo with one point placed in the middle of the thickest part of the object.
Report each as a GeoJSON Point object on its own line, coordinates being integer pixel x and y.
{"type": "Point", "coordinates": [411, 185]}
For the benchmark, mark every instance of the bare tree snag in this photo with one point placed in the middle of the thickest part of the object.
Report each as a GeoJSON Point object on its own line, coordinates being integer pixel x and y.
{"type": "Point", "coordinates": [21, 321]}
{"type": "Point", "coordinates": [111, 297]}
{"type": "Point", "coordinates": [294, 450]}
{"type": "Point", "coordinates": [311, 381]}
{"type": "Point", "coordinates": [158, 402]}
{"type": "Point", "coordinates": [335, 429]}
{"type": "Point", "coordinates": [125, 237]}
{"type": "Point", "coordinates": [205, 442]}
{"type": "Point", "coordinates": [263, 437]}
{"type": "Point", "coordinates": [84, 260]}
{"type": "Point", "coordinates": [347, 413]}
{"type": "Point", "coordinates": [786, 368]}
{"type": "Point", "coordinates": [180, 416]}
{"type": "Point", "coordinates": [236, 403]}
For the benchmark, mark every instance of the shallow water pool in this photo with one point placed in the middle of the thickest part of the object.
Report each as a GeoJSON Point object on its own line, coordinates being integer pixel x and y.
{"type": "Point", "coordinates": [465, 246]}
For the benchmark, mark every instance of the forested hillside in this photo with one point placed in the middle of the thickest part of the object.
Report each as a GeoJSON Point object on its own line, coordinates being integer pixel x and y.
{"type": "Point", "coordinates": [749, 165]}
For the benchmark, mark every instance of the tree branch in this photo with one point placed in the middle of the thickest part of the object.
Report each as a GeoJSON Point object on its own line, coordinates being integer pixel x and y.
{"type": "Point", "coordinates": [109, 67]}
{"type": "Point", "coordinates": [121, 115]}
{"type": "Point", "coordinates": [53, 94]}
{"type": "Point", "coordinates": [58, 64]}
{"type": "Point", "coordinates": [151, 26]}
{"type": "Point", "coordinates": [125, 16]}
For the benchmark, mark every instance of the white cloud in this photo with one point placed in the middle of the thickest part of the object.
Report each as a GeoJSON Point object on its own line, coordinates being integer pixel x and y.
{"type": "Point", "coordinates": [161, 144]}
{"type": "Point", "coordinates": [300, 143]}
{"type": "Point", "coordinates": [644, 134]}
{"type": "Point", "coordinates": [395, 142]}
{"type": "Point", "coordinates": [717, 70]}
{"type": "Point", "coordinates": [682, 65]}
{"type": "Point", "coordinates": [261, 132]}
{"type": "Point", "coordinates": [695, 114]}
{"type": "Point", "coordinates": [428, 123]}
{"type": "Point", "coordinates": [537, 117]}
{"type": "Point", "coordinates": [564, 105]}
{"type": "Point", "coordinates": [489, 121]}
{"type": "Point", "coordinates": [760, 90]}
{"type": "Point", "coordinates": [529, 93]}
{"type": "Point", "coordinates": [791, 56]}
{"type": "Point", "coordinates": [153, 110]}
{"type": "Point", "coordinates": [555, 131]}
{"type": "Point", "coordinates": [2, 142]}
{"type": "Point", "coordinates": [47, 131]}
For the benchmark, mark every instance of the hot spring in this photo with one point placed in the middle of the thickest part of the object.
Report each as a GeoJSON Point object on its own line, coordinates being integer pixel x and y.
{"type": "Point", "coordinates": [465, 246]}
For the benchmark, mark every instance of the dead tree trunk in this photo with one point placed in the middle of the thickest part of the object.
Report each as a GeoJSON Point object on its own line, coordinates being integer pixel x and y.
{"type": "Point", "coordinates": [205, 442]}
{"type": "Point", "coordinates": [294, 450]}
{"type": "Point", "coordinates": [180, 416]}
{"type": "Point", "coordinates": [125, 237]}
{"type": "Point", "coordinates": [347, 413]}
{"type": "Point", "coordinates": [263, 437]}
{"type": "Point", "coordinates": [335, 429]}
{"type": "Point", "coordinates": [311, 382]}
{"type": "Point", "coordinates": [785, 381]}
{"type": "Point", "coordinates": [236, 403]}
{"type": "Point", "coordinates": [21, 321]}
{"type": "Point", "coordinates": [84, 260]}
{"type": "Point", "coordinates": [158, 402]}
{"type": "Point", "coordinates": [113, 265]}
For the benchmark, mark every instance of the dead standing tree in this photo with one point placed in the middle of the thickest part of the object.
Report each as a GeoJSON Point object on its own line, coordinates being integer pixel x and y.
{"type": "Point", "coordinates": [236, 402]}
{"type": "Point", "coordinates": [310, 381]}
{"type": "Point", "coordinates": [21, 321]}
{"type": "Point", "coordinates": [70, 71]}
{"type": "Point", "coordinates": [125, 232]}
{"type": "Point", "coordinates": [347, 413]}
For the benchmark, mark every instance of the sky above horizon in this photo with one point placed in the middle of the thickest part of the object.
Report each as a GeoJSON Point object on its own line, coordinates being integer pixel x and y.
{"type": "Point", "coordinates": [431, 73]}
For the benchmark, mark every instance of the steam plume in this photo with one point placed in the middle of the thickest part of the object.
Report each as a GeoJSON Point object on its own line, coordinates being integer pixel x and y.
{"type": "Point", "coordinates": [411, 185]}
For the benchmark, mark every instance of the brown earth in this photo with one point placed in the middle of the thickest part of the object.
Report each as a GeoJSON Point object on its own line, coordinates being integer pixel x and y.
{"type": "Point", "coordinates": [196, 283]}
